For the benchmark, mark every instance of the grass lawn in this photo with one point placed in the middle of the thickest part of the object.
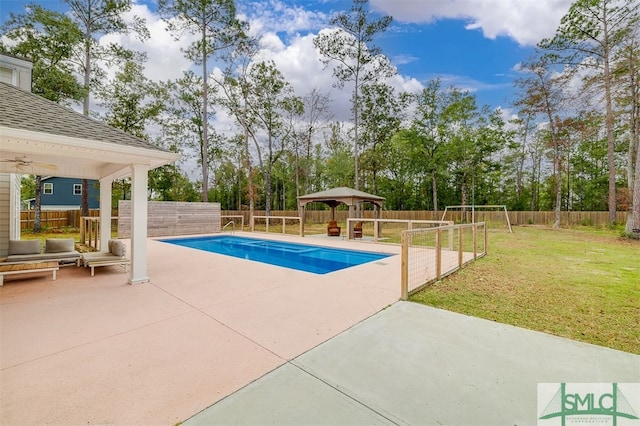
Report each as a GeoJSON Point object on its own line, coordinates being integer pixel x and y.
{"type": "Point", "coordinates": [579, 284]}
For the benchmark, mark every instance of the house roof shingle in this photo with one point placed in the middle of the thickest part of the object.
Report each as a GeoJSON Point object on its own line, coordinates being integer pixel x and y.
{"type": "Point", "coordinates": [23, 110]}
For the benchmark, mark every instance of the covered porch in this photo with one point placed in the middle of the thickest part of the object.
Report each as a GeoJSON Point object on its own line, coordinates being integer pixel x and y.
{"type": "Point", "coordinates": [40, 137]}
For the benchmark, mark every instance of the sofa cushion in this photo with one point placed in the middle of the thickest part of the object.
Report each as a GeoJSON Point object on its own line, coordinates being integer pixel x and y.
{"type": "Point", "coordinates": [59, 245]}
{"type": "Point", "coordinates": [24, 247]}
{"type": "Point", "coordinates": [117, 248]}
{"type": "Point", "coordinates": [98, 256]}
{"type": "Point", "coordinates": [45, 257]}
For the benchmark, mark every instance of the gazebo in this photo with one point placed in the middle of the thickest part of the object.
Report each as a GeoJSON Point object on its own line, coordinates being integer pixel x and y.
{"type": "Point", "coordinates": [336, 196]}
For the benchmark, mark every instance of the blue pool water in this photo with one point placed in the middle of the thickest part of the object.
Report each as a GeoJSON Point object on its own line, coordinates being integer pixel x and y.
{"type": "Point", "coordinates": [315, 259]}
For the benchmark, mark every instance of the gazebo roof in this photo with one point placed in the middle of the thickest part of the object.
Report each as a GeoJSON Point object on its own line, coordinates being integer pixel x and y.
{"type": "Point", "coordinates": [343, 194]}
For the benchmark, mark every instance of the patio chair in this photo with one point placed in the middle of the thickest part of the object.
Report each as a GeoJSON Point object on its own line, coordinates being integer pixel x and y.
{"type": "Point", "coordinates": [333, 230]}
{"type": "Point", "coordinates": [115, 256]}
{"type": "Point", "coordinates": [357, 230]}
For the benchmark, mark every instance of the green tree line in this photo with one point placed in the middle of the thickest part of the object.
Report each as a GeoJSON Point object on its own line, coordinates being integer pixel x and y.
{"type": "Point", "coordinates": [572, 143]}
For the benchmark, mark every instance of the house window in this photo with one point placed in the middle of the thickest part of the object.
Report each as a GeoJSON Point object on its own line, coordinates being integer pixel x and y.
{"type": "Point", "coordinates": [47, 188]}
{"type": "Point", "coordinates": [6, 75]}
{"type": "Point", "coordinates": [77, 189]}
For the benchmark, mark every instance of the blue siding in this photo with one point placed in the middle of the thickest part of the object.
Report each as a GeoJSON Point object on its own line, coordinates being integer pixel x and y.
{"type": "Point", "coordinates": [63, 193]}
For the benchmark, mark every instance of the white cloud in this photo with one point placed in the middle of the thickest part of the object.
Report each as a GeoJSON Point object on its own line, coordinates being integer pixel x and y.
{"type": "Point", "coordinates": [518, 68]}
{"type": "Point", "coordinates": [285, 36]}
{"type": "Point", "coordinates": [270, 20]}
{"type": "Point", "coordinates": [165, 58]}
{"type": "Point", "coordinates": [525, 21]}
{"type": "Point", "coordinates": [466, 83]}
{"type": "Point", "coordinates": [507, 115]}
{"type": "Point", "coordinates": [300, 64]}
{"type": "Point", "coordinates": [403, 59]}
{"type": "Point", "coordinates": [267, 20]}
{"type": "Point", "coordinates": [271, 42]}
{"type": "Point", "coordinates": [279, 17]}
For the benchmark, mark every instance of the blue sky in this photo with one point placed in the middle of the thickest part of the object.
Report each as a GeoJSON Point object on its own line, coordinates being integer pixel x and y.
{"type": "Point", "coordinates": [472, 44]}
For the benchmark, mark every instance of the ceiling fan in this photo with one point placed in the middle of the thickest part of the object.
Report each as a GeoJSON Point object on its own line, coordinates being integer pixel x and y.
{"type": "Point", "coordinates": [23, 162]}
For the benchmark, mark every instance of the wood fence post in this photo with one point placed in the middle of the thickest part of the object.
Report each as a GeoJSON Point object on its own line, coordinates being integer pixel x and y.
{"type": "Point", "coordinates": [460, 242]}
{"type": "Point", "coordinates": [404, 281]}
{"type": "Point", "coordinates": [438, 253]}
{"type": "Point", "coordinates": [475, 241]}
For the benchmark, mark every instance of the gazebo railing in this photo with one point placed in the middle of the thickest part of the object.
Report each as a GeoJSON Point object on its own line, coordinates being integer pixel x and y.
{"type": "Point", "coordinates": [377, 225]}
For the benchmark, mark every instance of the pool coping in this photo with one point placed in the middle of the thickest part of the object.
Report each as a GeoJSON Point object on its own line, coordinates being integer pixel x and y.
{"type": "Point", "coordinates": [321, 266]}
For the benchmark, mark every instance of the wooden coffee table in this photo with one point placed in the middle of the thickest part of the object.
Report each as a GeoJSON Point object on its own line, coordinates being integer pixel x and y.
{"type": "Point", "coordinates": [7, 268]}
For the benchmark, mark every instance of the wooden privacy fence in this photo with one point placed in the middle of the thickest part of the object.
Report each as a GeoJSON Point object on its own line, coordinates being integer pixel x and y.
{"type": "Point", "coordinates": [166, 218]}
{"type": "Point", "coordinates": [71, 218]}
{"type": "Point", "coordinates": [56, 218]}
{"type": "Point", "coordinates": [494, 218]}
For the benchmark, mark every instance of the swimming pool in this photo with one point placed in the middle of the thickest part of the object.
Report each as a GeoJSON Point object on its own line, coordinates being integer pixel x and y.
{"type": "Point", "coordinates": [315, 259]}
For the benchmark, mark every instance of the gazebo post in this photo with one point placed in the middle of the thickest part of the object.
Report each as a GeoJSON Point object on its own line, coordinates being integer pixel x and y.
{"type": "Point", "coordinates": [349, 224]}
{"type": "Point", "coordinates": [378, 213]}
{"type": "Point", "coordinates": [302, 212]}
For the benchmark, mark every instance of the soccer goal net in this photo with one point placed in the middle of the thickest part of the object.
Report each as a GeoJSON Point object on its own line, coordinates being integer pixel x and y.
{"type": "Point", "coordinates": [478, 213]}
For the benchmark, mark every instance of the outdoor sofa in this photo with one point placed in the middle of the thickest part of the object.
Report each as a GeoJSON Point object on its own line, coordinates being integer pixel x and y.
{"type": "Point", "coordinates": [55, 249]}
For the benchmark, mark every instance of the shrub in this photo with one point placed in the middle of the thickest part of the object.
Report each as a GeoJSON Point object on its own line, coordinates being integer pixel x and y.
{"type": "Point", "coordinates": [586, 222]}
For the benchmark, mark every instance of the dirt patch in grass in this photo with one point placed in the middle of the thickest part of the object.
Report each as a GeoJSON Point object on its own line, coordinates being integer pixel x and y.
{"type": "Point", "coordinates": [572, 283]}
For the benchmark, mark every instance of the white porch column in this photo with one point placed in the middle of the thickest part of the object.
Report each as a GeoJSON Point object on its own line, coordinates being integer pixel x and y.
{"type": "Point", "coordinates": [139, 180]}
{"type": "Point", "coordinates": [14, 206]}
{"type": "Point", "coordinates": [105, 213]}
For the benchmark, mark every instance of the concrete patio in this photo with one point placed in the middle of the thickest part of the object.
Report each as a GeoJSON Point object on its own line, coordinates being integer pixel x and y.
{"type": "Point", "coordinates": [412, 364]}
{"type": "Point", "coordinates": [95, 350]}
{"type": "Point", "coordinates": [218, 340]}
